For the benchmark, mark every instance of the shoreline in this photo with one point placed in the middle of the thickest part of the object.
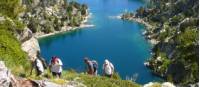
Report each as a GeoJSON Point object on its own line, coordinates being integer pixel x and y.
{"type": "Point", "coordinates": [83, 24]}
{"type": "Point", "coordinates": [139, 20]}
{"type": "Point", "coordinates": [147, 25]}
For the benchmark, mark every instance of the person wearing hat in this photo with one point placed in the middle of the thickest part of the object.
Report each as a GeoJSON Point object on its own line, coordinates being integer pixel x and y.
{"type": "Point", "coordinates": [108, 68]}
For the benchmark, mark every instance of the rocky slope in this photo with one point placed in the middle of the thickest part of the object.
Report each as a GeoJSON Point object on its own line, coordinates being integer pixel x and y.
{"type": "Point", "coordinates": [175, 31]}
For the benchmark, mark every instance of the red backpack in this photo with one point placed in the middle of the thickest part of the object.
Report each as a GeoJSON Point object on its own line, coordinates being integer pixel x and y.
{"type": "Point", "coordinates": [54, 59]}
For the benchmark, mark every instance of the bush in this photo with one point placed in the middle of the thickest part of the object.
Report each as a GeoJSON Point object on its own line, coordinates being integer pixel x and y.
{"type": "Point", "coordinates": [10, 8]}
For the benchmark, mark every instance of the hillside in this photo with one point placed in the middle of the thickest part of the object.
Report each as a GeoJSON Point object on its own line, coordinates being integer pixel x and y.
{"type": "Point", "coordinates": [173, 30]}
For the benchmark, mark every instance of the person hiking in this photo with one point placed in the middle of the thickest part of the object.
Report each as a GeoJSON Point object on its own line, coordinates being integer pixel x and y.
{"type": "Point", "coordinates": [91, 66]}
{"type": "Point", "coordinates": [37, 64]}
{"type": "Point", "coordinates": [108, 68]}
{"type": "Point", "coordinates": [56, 66]}
{"type": "Point", "coordinates": [44, 63]}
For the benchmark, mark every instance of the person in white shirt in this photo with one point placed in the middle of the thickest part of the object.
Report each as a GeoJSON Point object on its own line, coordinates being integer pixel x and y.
{"type": "Point", "coordinates": [39, 67]}
{"type": "Point", "coordinates": [108, 69]}
{"type": "Point", "coordinates": [56, 66]}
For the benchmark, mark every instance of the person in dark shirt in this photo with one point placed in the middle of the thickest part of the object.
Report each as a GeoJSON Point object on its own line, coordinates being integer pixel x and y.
{"type": "Point", "coordinates": [91, 66]}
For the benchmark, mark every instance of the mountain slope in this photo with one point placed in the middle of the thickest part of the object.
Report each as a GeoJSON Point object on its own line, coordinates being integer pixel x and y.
{"type": "Point", "coordinates": [175, 30]}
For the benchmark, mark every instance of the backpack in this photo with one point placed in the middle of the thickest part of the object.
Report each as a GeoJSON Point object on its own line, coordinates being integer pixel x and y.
{"type": "Point", "coordinates": [44, 63]}
{"type": "Point", "coordinates": [95, 65]}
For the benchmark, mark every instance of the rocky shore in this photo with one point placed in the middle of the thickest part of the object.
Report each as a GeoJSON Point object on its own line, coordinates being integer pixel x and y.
{"type": "Point", "coordinates": [147, 32]}
{"type": "Point", "coordinates": [84, 24]}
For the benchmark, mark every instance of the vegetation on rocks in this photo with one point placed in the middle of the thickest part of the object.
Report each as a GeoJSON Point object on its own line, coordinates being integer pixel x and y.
{"type": "Point", "coordinates": [97, 81]}
{"type": "Point", "coordinates": [53, 15]}
{"type": "Point", "coordinates": [175, 56]}
{"type": "Point", "coordinates": [88, 80]}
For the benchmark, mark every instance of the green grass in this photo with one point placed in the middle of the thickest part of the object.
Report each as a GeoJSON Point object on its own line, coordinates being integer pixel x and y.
{"type": "Point", "coordinates": [88, 80]}
{"type": "Point", "coordinates": [11, 53]}
{"type": "Point", "coordinates": [97, 81]}
{"type": "Point", "coordinates": [10, 48]}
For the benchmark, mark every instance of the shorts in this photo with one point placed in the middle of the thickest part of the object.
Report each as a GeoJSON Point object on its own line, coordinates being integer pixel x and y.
{"type": "Point", "coordinates": [108, 75]}
{"type": "Point", "coordinates": [56, 74]}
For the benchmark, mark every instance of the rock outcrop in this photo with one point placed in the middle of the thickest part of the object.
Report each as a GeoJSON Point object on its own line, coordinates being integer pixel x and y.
{"type": "Point", "coordinates": [31, 46]}
{"type": "Point", "coordinates": [44, 83]}
{"type": "Point", "coordinates": [155, 84]}
{"type": "Point", "coordinates": [6, 78]}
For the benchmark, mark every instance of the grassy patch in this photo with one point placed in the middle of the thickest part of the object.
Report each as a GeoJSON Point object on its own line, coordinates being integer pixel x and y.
{"type": "Point", "coordinates": [97, 81]}
{"type": "Point", "coordinates": [11, 53]}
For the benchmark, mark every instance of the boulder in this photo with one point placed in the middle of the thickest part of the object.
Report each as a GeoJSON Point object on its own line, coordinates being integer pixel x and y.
{"type": "Point", "coordinates": [6, 78]}
{"type": "Point", "coordinates": [167, 84]}
{"type": "Point", "coordinates": [31, 46]}
{"type": "Point", "coordinates": [25, 35]}
{"type": "Point", "coordinates": [43, 83]}
{"type": "Point", "coordinates": [155, 84]}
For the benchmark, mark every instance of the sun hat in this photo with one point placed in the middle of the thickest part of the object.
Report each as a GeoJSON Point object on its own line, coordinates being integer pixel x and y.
{"type": "Point", "coordinates": [106, 61]}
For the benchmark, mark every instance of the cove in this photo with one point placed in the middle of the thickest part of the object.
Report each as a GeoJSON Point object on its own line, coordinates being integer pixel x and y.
{"type": "Point", "coordinates": [119, 41]}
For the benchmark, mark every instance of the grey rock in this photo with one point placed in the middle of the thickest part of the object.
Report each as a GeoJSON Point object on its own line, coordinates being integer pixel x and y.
{"type": "Point", "coordinates": [25, 35]}
{"type": "Point", "coordinates": [31, 46]}
{"type": "Point", "coordinates": [6, 78]}
{"type": "Point", "coordinates": [43, 83]}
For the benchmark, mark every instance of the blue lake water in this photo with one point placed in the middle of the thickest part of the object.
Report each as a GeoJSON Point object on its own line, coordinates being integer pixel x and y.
{"type": "Point", "coordinates": [119, 41]}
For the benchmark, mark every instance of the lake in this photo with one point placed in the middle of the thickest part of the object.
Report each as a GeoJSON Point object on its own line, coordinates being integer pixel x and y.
{"type": "Point", "coordinates": [119, 41]}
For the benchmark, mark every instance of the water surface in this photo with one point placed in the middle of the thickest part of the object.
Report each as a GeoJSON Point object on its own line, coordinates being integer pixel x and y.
{"type": "Point", "coordinates": [119, 41]}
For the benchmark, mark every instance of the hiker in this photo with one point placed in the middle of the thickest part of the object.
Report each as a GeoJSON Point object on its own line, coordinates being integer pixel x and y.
{"type": "Point", "coordinates": [108, 69]}
{"type": "Point", "coordinates": [56, 66]}
{"type": "Point", "coordinates": [91, 66]}
{"type": "Point", "coordinates": [44, 63]}
{"type": "Point", "coordinates": [37, 64]}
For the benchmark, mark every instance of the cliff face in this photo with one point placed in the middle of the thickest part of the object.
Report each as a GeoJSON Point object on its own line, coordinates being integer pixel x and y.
{"type": "Point", "coordinates": [175, 53]}
{"type": "Point", "coordinates": [31, 46]}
